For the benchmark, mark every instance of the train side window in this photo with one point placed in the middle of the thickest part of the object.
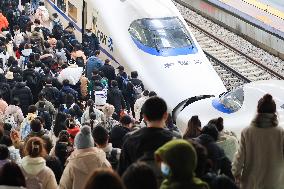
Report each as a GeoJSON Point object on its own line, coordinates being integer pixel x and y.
{"type": "Point", "coordinates": [61, 4]}
{"type": "Point", "coordinates": [72, 11]}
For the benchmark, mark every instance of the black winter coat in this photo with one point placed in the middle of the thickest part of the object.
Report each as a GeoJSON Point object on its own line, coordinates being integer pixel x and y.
{"type": "Point", "coordinates": [52, 94]}
{"type": "Point", "coordinates": [115, 98]}
{"type": "Point", "coordinates": [141, 142]}
{"type": "Point", "coordinates": [109, 72]}
{"type": "Point", "coordinates": [24, 94]}
{"type": "Point", "coordinates": [216, 155]}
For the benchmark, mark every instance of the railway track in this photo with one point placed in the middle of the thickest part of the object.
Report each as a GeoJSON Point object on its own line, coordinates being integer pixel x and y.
{"type": "Point", "coordinates": [234, 67]}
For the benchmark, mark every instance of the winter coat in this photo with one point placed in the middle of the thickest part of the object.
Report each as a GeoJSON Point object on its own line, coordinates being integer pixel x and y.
{"type": "Point", "coordinates": [115, 98]}
{"type": "Point", "coordinates": [81, 164]}
{"type": "Point", "coordinates": [42, 14]}
{"type": "Point", "coordinates": [117, 134]}
{"type": "Point", "coordinates": [34, 166]}
{"type": "Point", "coordinates": [3, 22]}
{"type": "Point", "coordinates": [52, 94]}
{"type": "Point", "coordinates": [93, 63]}
{"type": "Point", "coordinates": [25, 128]}
{"type": "Point", "coordinates": [3, 162]}
{"type": "Point", "coordinates": [6, 91]}
{"type": "Point", "coordinates": [24, 94]}
{"type": "Point", "coordinates": [16, 112]}
{"type": "Point", "coordinates": [259, 160]}
{"type": "Point", "coordinates": [86, 116]}
{"type": "Point", "coordinates": [90, 44]}
{"type": "Point", "coordinates": [145, 140]}
{"type": "Point", "coordinates": [120, 78]}
{"type": "Point", "coordinates": [109, 72]}
{"type": "Point", "coordinates": [221, 162]}
{"type": "Point", "coordinates": [84, 86]}
{"type": "Point", "coordinates": [229, 143]}
{"type": "Point", "coordinates": [138, 105]}
{"type": "Point", "coordinates": [37, 40]}
{"type": "Point", "coordinates": [48, 106]}
{"type": "Point", "coordinates": [69, 90]}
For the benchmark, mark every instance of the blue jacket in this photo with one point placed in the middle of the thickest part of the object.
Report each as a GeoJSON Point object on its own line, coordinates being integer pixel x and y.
{"type": "Point", "coordinates": [93, 62]}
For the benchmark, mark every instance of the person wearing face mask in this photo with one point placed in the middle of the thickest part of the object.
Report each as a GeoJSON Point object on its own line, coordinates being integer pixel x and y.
{"type": "Point", "coordinates": [178, 161]}
{"type": "Point", "coordinates": [19, 37]}
{"type": "Point", "coordinates": [90, 43]}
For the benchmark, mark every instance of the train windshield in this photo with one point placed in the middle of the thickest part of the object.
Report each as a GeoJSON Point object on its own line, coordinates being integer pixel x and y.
{"type": "Point", "coordinates": [161, 33]}
{"type": "Point", "coordinates": [233, 100]}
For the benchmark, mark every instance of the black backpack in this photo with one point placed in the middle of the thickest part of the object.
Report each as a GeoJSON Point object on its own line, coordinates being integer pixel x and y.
{"type": "Point", "coordinates": [57, 30]}
{"type": "Point", "coordinates": [47, 118]}
{"type": "Point", "coordinates": [32, 80]}
{"type": "Point", "coordinates": [46, 32]}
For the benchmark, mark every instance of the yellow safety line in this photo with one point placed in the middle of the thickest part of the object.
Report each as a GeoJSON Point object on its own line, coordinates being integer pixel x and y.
{"type": "Point", "coordinates": [266, 8]}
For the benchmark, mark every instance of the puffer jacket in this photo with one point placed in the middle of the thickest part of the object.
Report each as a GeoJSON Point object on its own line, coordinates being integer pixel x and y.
{"type": "Point", "coordinates": [24, 94]}
{"type": "Point", "coordinates": [37, 166]}
{"type": "Point", "coordinates": [80, 164]}
{"type": "Point", "coordinates": [115, 98]}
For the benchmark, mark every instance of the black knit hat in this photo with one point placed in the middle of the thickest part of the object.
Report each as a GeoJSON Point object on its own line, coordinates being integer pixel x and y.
{"type": "Point", "coordinates": [266, 105]}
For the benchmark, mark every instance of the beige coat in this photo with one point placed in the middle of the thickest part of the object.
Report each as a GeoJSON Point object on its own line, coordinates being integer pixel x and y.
{"type": "Point", "coordinates": [34, 166]}
{"type": "Point", "coordinates": [260, 160]}
{"type": "Point", "coordinates": [81, 164]}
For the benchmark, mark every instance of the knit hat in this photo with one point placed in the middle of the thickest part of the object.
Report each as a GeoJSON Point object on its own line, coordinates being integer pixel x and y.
{"type": "Point", "coordinates": [211, 130]}
{"type": "Point", "coordinates": [84, 138]}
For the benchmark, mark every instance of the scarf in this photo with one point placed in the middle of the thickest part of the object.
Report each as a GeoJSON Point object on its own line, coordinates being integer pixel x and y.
{"type": "Point", "coordinates": [265, 120]}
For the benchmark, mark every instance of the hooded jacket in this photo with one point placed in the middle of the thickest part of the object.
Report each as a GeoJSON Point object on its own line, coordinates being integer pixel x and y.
{"type": "Point", "coordinates": [181, 157]}
{"type": "Point", "coordinates": [34, 166]}
{"type": "Point", "coordinates": [80, 164]}
{"type": "Point", "coordinates": [3, 22]}
{"type": "Point", "coordinates": [259, 160]}
{"type": "Point", "coordinates": [115, 98]}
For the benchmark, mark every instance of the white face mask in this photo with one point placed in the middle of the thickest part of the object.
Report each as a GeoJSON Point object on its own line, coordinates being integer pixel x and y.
{"type": "Point", "coordinates": [17, 32]}
{"type": "Point", "coordinates": [165, 169]}
{"type": "Point", "coordinates": [89, 34]}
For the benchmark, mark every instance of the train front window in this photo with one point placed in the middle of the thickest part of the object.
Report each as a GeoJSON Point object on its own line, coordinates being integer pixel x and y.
{"type": "Point", "coordinates": [233, 100]}
{"type": "Point", "coordinates": [162, 33]}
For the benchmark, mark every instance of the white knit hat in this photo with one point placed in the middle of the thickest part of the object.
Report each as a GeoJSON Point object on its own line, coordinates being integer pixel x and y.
{"type": "Point", "coordinates": [84, 138]}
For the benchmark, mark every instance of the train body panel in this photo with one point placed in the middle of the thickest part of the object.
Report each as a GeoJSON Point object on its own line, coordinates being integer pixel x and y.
{"type": "Point", "coordinates": [152, 38]}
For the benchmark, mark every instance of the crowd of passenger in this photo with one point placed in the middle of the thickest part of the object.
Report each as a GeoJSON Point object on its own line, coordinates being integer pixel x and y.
{"type": "Point", "coordinates": [69, 120]}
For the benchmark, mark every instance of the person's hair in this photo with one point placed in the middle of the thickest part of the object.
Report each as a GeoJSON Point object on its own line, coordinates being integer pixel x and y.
{"type": "Point", "coordinates": [266, 105]}
{"type": "Point", "coordinates": [223, 182]}
{"type": "Point", "coordinates": [218, 122]}
{"type": "Point", "coordinates": [97, 52]}
{"type": "Point", "coordinates": [154, 108]}
{"type": "Point", "coordinates": [32, 109]}
{"type": "Point", "coordinates": [134, 74]}
{"type": "Point", "coordinates": [152, 93]}
{"type": "Point", "coordinates": [114, 83]}
{"type": "Point", "coordinates": [193, 128]}
{"type": "Point", "coordinates": [4, 152]}
{"type": "Point", "coordinates": [125, 120]}
{"type": "Point", "coordinates": [211, 130]}
{"type": "Point", "coordinates": [36, 125]}
{"type": "Point", "coordinates": [104, 179]}
{"type": "Point", "coordinates": [139, 175]}
{"type": "Point", "coordinates": [12, 175]}
{"type": "Point", "coordinates": [65, 82]}
{"type": "Point", "coordinates": [41, 3]}
{"type": "Point", "coordinates": [16, 27]}
{"type": "Point", "coordinates": [7, 127]}
{"type": "Point", "coordinates": [55, 165]}
{"type": "Point", "coordinates": [107, 61]}
{"type": "Point", "coordinates": [100, 135]}
{"type": "Point", "coordinates": [35, 147]}
{"type": "Point", "coordinates": [146, 93]}
{"type": "Point", "coordinates": [108, 110]}
{"type": "Point", "coordinates": [93, 117]}
{"type": "Point", "coordinates": [41, 96]}
{"type": "Point", "coordinates": [55, 15]}
{"type": "Point", "coordinates": [37, 21]}
{"type": "Point", "coordinates": [6, 139]}
{"type": "Point", "coordinates": [63, 136]}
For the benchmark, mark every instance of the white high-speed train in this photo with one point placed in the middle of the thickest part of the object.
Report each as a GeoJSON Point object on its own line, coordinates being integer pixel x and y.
{"type": "Point", "coordinates": [151, 37]}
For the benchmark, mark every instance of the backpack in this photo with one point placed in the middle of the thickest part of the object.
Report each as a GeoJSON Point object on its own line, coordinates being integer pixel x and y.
{"type": "Point", "coordinates": [32, 80]}
{"type": "Point", "coordinates": [125, 82]}
{"type": "Point", "coordinates": [34, 181]}
{"type": "Point", "coordinates": [10, 119]}
{"type": "Point", "coordinates": [112, 158]}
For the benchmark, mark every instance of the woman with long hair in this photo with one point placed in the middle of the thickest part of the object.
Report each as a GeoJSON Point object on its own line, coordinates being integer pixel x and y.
{"type": "Point", "coordinates": [193, 129]}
